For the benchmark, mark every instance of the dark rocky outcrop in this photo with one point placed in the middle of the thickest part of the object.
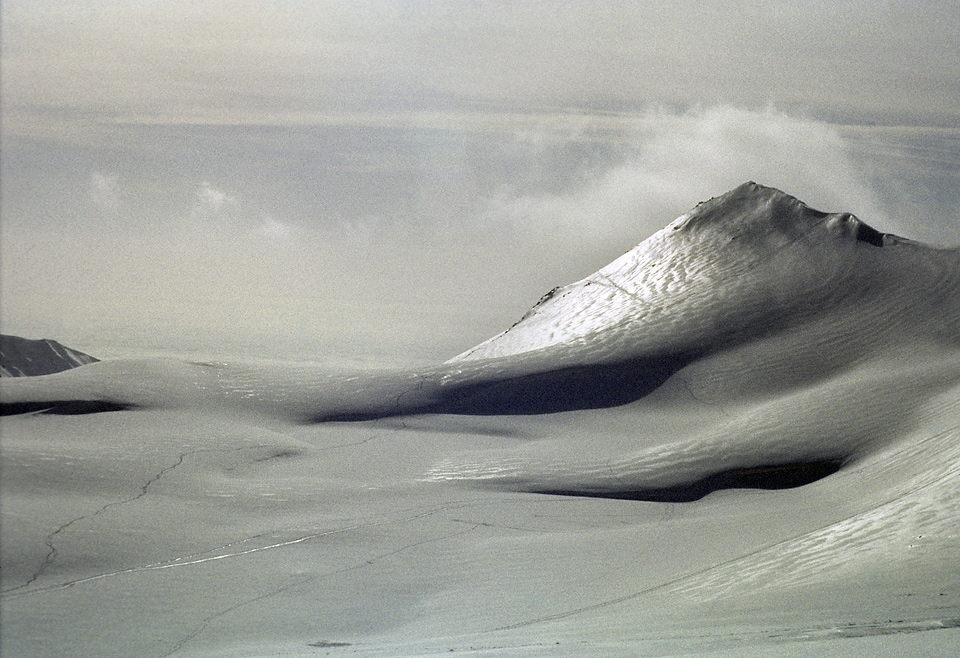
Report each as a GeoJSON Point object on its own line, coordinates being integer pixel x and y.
{"type": "Point", "coordinates": [22, 357]}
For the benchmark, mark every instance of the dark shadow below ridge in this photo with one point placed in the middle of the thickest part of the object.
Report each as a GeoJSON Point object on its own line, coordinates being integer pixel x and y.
{"type": "Point", "coordinates": [778, 476]}
{"type": "Point", "coordinates": [869, 235]}
{"type": "Point", "coordinates": [596, 386]}
{"type": "Point", "coordinates": [574, 388]}
{"type": "Point", "coordinates": [63, 407]}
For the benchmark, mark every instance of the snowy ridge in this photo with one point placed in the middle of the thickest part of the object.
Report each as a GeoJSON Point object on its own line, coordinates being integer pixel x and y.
{"type": "Point", "coordinates": [752, 299]}
{"type": "Point", "coordinates": [736, 266]}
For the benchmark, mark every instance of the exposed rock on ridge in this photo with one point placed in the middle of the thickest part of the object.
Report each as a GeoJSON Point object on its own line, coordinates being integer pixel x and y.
{"type": "Point", "coordinates": [22, 357]}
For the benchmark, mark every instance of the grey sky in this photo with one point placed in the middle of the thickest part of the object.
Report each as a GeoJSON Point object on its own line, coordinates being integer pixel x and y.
{"type": "Point", "coordinates": [284, 61]}
{"type": "Point", "coordinates": [280, 178]}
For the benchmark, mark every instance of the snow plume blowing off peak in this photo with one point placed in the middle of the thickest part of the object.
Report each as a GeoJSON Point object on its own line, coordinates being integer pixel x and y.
{"type": "Point", "coordinates": [744, 264]}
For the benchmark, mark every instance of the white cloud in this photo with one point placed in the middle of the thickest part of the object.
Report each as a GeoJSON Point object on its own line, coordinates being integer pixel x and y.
{"type": "Point", "coordinates": [213, 199]}
{"type": "Point", "coordinates": [213, 207]}
{"type": "Point", "coordinates": [679, 160]}
{"type": "Point", "coordinates": [104, 191]}
{"type": "Point", "coordinates": [274, 231]}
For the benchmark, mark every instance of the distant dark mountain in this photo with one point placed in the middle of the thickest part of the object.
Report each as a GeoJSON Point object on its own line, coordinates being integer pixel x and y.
{"type": "Point", "coordinates": [22, 357]}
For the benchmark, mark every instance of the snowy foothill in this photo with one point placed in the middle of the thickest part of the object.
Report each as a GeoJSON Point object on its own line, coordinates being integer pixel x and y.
{"type": "Point", "coordinates": [742, 437]}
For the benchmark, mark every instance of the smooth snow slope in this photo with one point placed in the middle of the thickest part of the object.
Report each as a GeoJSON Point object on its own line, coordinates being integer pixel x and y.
{"type": "Point", "coordinates": [605, 478]}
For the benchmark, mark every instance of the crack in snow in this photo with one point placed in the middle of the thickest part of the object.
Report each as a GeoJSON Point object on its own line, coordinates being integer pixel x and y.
{"type": "Point", "coordinates": [205, 556]}
{"type": "Point", "coordinates": [52, 553]}
{"type": "Point", "coordinates": [206, 621]}
{"type": "Point", "coordinates": [49, 541]}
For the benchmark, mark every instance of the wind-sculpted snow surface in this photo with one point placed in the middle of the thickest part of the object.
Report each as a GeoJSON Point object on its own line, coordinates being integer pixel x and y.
{"type": "Point", "coordinates": [751, 263]}
{"type": "Point", "coordinates": [745, 432]}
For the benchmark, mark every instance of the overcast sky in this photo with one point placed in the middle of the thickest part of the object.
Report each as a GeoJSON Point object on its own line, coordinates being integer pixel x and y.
{"type": "Point", "coordinates": [402, 179]}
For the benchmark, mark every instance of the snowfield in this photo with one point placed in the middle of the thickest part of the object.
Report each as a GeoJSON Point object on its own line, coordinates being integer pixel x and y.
{"type": "Point", "coordinates": [740, 438]}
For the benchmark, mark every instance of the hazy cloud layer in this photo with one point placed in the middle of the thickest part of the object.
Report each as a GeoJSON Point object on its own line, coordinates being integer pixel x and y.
{"type": "Point", "coordinates": [280, 61]}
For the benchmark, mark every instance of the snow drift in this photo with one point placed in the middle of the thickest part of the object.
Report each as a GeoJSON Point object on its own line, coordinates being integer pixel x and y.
{"type": "Point", "coordinates": [754, 411]}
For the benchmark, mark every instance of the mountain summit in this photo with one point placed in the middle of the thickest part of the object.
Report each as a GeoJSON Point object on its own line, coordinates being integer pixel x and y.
{"type": "Point", "coordinates": [735, 267]}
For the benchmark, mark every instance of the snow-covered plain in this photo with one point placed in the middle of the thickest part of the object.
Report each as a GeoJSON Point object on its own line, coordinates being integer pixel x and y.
{"type": "Point", "coordinates": [602, 479]}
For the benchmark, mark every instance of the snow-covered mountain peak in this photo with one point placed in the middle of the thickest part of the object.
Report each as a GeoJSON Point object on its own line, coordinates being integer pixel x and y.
{"type": "Point", "coordinates": [736, 263]}
{"type": "Point", "coordinates": [760, 214]}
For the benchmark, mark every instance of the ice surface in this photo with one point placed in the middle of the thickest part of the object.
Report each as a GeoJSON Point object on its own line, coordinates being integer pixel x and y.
{"type": "Point", "coordinates": [574, 486]}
